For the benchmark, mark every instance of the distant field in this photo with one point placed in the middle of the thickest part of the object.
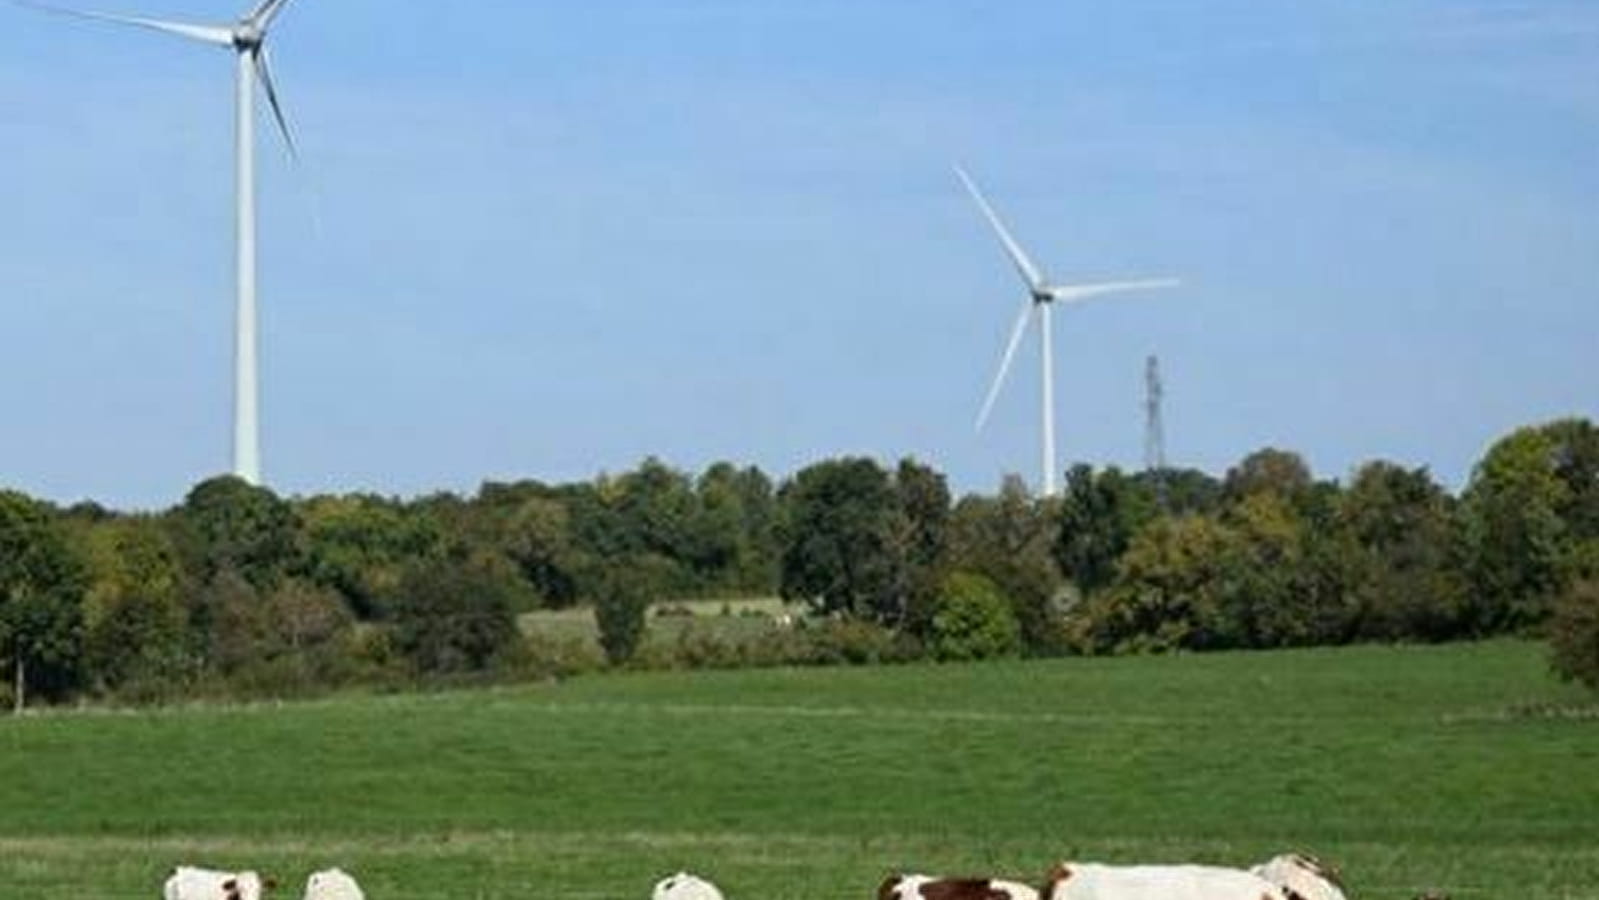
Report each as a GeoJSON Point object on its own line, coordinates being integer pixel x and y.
{"type": "Point", "coordinates": [732, 620]}
{"type": "Point", "coordinates": [1465, 768]}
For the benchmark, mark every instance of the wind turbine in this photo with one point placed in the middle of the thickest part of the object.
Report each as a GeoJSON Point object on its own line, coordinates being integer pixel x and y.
{"type": "Point", "coordinates": [247, 39]}
{"type": "Point", "coordinates": [1042, 295]}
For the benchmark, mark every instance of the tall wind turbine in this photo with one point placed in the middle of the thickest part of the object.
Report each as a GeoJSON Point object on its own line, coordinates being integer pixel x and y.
{"type": "Point", "coordinates": [247, 39]}
{"type": "Point", "coordinates": [1042, 295]}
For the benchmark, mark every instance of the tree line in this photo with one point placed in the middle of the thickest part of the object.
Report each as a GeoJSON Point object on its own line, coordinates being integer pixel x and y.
{"type": "Point", "coordinates": [239, 592]}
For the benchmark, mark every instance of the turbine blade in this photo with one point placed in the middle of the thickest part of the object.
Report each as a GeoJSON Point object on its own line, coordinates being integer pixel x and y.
{"type": "Point", "coordinates": [265, 12]}
{"type": "Point", "coordinates": [1080, 292]}
{"type": "Point", "coordinates": [208, 34]}
{"type": "Point", "coordinates": [264, 71]}
{"type": "Point", "coordinates": [1004, 366]}
{"type": "Point", "coordinates": [1030, 273]}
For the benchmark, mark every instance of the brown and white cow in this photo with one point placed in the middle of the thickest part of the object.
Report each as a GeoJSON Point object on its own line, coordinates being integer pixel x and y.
{"type": "Point", "coordinates": [189, 883]}
{"type": "Point", "coordinates": [1095, 881]}
{"type": "Point", "coordinates": [926, 887]}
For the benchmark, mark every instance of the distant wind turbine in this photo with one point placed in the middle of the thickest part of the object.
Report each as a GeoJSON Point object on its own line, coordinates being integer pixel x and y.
{"type": "Point", "coordinates": [247, 39]}
{"type": "Point", "coordinates": [1042, 297]}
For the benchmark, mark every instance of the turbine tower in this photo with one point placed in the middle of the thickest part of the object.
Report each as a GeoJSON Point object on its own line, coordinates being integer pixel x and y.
{"type": "Point", "coordinates": [1042, 295]}
{"type": "Point", "coordinates": [247, 39]}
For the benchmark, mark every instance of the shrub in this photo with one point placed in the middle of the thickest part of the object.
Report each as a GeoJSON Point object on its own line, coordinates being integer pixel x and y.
{"type": "Point", "coordinates": [294, 640]}
{"type": "Point", "coordinates": [562, 657]}
{"type": "Point", "coordinates": [855, 642]}
{"type": "Point", "coordinates": [622, 598]}
{"type": "Point", "coordinates": [706, 648]}
{"type": "Point", "coordinates": [973, 621]}
{"type": "Point", "coordinates": [453, 617]}
{"type": "Point", "coordinates": [1574, 634]}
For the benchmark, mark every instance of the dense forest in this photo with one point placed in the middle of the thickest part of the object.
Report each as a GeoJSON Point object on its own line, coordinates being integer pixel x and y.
{"type": "Point", "coordinates": [237, 592]}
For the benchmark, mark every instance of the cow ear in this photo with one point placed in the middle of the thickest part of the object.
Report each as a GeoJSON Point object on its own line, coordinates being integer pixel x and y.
{"type": "Point", "coordinates": [885, 891]}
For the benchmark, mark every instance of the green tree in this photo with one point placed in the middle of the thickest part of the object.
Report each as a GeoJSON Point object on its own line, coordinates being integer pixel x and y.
{"type": "Point", "coordinates": [1575, 459]}
{"type": "Point", "coordinates": [1270, 471]}
{"type": "Point", "coordinates": [621, 605]}
{"type": "Point", "coordinates": [1099, 515]}
{"type": "Point", "coordinates": [1169, 593]}
{"type": "Point", "coordinates": [839, 523]}
{"type": "Point", "coordinates": [1516, 537]}
{"type": "Point", "coordinates": [921, 539]}
{"type": "Point", "coordinates": [1406, 579]}
{"type": "Point", "coordinates": [1283, 586]}
{"type": "Point", "coordinates": [360, 546]}
{"type": "Point", "coordinates": [231, 525]}
{"type": "Point", "coordinates": [973, 621]}
{"type": "Point", "coordinates": [1182, 492]}
{"type": "Point", "coordinates": [1574, 634]}
{"type": "Point", "coordinates": [1009, 539]}
{"type": "Point", "coordinates": [137, 634]}
{"type": "Point", "coordinates": [656, 507]}
{"type": "Point", "coordinates": [42, 584]}
{"type": "Point", "coordinates": [733, 529]}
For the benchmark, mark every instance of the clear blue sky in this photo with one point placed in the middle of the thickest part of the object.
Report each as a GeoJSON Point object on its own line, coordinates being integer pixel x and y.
{"type": "Point", "coordinates": [548, 239]}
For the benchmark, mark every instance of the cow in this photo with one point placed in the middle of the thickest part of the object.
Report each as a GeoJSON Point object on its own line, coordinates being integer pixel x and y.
{"type": "Point", "coordinates": [1093, 881]}
{"type": "Point", "coordinates": [189, 883]}
{"type": "Point", "coordinates": [332, 884]}
{"type": "Point", "coordinates": [925, 887]}
{"type": "Point", "coordinates": [1302, 877]}
{"type": "Point", "coordinates": [684, 886]}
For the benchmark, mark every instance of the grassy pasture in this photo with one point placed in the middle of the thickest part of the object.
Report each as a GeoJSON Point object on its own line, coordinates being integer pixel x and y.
{"type": "Point", "coordinates": [1464, 768]}
{"type": "Point", "coordinates": [733, 621]}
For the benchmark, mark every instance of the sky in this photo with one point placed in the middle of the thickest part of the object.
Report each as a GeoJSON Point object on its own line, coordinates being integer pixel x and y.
{"type": "Point", "coordinates": [546, 240]}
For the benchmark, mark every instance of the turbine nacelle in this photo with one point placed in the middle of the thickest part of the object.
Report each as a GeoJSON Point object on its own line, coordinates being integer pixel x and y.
{"type": "Point", "coordinates": [248, 37]}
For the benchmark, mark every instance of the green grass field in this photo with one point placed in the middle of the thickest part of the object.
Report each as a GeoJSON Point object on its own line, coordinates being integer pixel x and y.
{"type": "Point", "coordinates": [1467, 768]}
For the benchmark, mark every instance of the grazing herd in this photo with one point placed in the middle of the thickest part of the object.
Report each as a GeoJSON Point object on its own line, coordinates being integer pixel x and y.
{"type": "Point", "coordinates": [189, 883]}
{"type": "Point", "coordinates": [1292, 876]}
{"type": "Point", "coordinates": [1288, 877]}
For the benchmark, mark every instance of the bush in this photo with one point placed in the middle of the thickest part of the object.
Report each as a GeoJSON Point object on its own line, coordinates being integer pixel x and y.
{"type": "Point", "coordinates": [454, 617]}
{"type": "Point", "coordinates": [561, 657]}
{"type": "Point", "coordinates": [622, 598]}
{"type": "Point", "coordinates": [294, 640]}
{"type": "Point", "coordinates": [973, 621]}
{"type": "Point", "coordinates": [857, 643]}
{"type": "Point", "coordinates": [1574, 634]}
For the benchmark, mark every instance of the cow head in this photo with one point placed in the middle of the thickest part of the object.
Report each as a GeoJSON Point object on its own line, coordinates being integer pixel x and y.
{"type": "Point", "coordinates": [1059, 875]}
{"type": "Point", "coordinates": [1302, 877]}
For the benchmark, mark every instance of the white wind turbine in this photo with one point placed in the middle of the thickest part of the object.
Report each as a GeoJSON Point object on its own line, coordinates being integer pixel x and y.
{"type": "Point", "coordinates": [247, 39]}
{"type": "Point", "coordinates": [1042, 297]}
